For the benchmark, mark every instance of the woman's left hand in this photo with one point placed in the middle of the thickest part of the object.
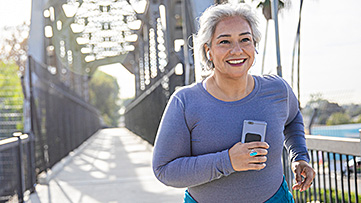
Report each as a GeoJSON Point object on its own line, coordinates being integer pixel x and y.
{"type": "Point", "coordinates": [302, 169]}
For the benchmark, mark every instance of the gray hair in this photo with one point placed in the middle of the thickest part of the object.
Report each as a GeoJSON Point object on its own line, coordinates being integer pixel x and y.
{"type": "Point", "coordinates": [212, 16]}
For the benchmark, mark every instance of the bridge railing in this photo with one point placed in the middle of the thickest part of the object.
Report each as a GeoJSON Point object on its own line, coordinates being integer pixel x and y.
{"type": "Point", "coordinates": [60, 121]}
{"type": "Point", "coordinates": [337, 162]}
{"type": "Point", "coordinates": [17, 168]}
{"type": "Point", "coordinates": [159, 65]}
{"type": "Point", "coordinates": [143, 115]}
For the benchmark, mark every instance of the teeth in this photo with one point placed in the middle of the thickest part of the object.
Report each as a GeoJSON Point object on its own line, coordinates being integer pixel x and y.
{"type": "Point", "coordinates": [236, 61]}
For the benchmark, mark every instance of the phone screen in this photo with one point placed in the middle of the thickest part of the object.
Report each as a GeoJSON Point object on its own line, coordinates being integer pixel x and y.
{"type": "Point", "coordinates": [252, 137]}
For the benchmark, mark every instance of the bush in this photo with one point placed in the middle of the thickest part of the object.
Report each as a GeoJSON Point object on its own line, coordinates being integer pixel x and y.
{"type": "Point", "coordinates": [338, 118]}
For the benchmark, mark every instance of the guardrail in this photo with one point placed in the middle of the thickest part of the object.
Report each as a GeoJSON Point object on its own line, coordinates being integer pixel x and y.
{"type": "Point", "coordinates": [337, 164]}
{"type": "Point", "coordinates": [145, 112]}
{"type": "Point", "coordinates": [17, 168]}
{"type": "Point", "coordinates": [60, 118]}
{"type": "Point", "coordinates": [60, 121]}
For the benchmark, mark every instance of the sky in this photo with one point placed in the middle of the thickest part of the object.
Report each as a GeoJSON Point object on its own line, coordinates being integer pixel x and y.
{"type": "Point", "coordinates": [330, 47]}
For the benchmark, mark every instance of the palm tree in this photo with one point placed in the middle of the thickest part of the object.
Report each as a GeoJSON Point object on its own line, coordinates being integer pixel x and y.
{"type": "Point", "coordinates": [266, 10]}
{"type": "Point", "coordinates": [297, 44]}
{"type": "Point", "coordinates": [267, 13]}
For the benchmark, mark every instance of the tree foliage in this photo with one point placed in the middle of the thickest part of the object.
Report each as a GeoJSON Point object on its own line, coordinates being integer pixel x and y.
{"type": "Point", "coordinates": [330, 113]}
{"type": "Point", "coordinates": [11, 99]}
{"type": "Point", "coordinates": [13, 56]}
{"type": "Point", "coordinates": [104, 95]}
{"type": "Point", "coordinates": [14, 46]}
{"type": "Point", "coordinates": [267, 8]}
{"type": "Point", "coordinates": [338, 118]}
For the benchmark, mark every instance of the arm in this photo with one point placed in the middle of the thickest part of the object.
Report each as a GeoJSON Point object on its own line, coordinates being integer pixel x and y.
{"type": "Point", "coordinates": [295, 143]}
{"type": "Point", "coordinates": [173, 163]}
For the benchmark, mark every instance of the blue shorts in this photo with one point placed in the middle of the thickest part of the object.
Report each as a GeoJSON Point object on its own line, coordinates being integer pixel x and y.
{"type": "Point", "coordinates": [283, 195]}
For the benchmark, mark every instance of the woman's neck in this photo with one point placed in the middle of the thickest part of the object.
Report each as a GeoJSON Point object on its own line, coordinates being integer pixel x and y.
{"type": "Point", "coordinates": [229, 89]}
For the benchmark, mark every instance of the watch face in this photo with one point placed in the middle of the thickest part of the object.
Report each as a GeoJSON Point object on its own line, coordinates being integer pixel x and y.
{"type": "Point", "coordinates": [251, 137]}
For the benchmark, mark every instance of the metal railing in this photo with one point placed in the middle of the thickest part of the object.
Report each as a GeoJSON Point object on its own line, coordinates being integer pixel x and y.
{"type": "Point", "coordinates": [336, 161]}
{"type": "Point", "coordinates": [143, 115]}
{"type": "Point", "coordinates": [17, 168]}
{"type": "Point", "coordinates": [156, 78]}
{"type": "Point", "coordinates": [61, 120]}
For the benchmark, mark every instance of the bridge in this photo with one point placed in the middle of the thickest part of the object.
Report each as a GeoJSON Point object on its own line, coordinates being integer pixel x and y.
{"type": "Point", "coordinates": [64, 155]}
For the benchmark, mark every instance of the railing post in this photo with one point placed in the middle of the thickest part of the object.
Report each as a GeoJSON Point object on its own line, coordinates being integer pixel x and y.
{"type": "Point", "coordinates": [31, 155]}
{"type": "Point", "coordinates": [20, 168]}
{"type": "Point", "coordinates": [359, 130]}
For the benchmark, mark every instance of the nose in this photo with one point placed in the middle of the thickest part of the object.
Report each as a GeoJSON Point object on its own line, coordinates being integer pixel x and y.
{"type": "Point", "coordinates": [236, 49]}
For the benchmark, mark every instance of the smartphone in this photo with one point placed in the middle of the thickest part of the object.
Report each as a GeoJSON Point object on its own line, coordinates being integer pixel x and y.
{"type": "Point", "coordinates": [253, 131]}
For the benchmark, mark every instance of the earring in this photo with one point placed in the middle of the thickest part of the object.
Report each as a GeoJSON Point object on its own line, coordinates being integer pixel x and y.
{"type": "Point", "coordinates": [208, 56]}
{"type": "Point", "coordinates": [256, 51]}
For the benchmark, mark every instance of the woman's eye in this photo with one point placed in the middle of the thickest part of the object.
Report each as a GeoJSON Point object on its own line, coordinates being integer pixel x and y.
{"type": "Point", "coordinates": [224, 42]}
{"type": "Point", "coordinates": [245, 40]}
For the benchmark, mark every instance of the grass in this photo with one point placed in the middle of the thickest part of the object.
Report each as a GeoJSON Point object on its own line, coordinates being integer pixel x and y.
{"type": "Point", "coordinates": [301, 196]}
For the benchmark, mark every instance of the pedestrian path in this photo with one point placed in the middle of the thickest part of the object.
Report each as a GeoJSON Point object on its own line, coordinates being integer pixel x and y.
{"type": "Point", "coordinates": [114, 165]}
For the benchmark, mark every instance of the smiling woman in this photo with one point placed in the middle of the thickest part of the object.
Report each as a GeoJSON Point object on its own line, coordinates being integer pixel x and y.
{"type": "Point", "coordinates": [231, 52]}
{"type": "Point", "coordinates": [198, 144]}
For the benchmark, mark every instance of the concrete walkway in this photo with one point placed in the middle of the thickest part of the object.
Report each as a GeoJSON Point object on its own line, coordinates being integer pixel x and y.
{"type": "Point", "coordinates": [114, 165]}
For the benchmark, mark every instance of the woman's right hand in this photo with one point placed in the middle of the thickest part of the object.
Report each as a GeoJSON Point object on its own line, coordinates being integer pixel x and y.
{"type": "Point", "coordinates": [242, 159]}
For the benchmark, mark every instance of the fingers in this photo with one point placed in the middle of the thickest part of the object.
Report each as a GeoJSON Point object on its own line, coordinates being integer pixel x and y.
{"type": "Point", "coordinates": [309, 174]}
{"type": "Point", "coordinates": [305, 185]}
{"type": "Point", "coordinates": [253, 152]}
{"type": "Point", "coordinates": [297, 170]}
{"type": "Point", "coordinates": [298, 177]}
{"type": "Point", "coordinates": [258, 166]}
{"type": "Point", "coordinates": [244, 158]}
{"type": "Point", "coordinates": [258, 152]}
{"type": "Point", "coordinates": [253, 145]}
{"type": "Point", "coordinates": [258, 159]}
{"type": "Point", "coordinates": [301, 170]}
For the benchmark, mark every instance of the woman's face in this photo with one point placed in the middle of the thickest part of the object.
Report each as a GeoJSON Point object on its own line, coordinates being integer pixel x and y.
{"type": "Point", "coordinates": [232, 47]}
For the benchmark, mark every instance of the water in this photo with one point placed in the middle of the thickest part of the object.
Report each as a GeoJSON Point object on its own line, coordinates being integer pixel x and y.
{"type": "Point", "coordinates": [348, 130]}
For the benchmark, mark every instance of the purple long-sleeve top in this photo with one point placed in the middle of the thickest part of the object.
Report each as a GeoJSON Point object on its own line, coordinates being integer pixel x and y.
{"type": "Point", "coordinates": [197, 130]}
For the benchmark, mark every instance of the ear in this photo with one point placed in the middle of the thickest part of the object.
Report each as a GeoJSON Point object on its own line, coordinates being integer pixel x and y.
{"type": "Point", "coordinates": [206, 50]}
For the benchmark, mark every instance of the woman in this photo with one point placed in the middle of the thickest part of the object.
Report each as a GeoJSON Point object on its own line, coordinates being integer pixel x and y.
{"type": "Point", "coordinates": [198, 141]}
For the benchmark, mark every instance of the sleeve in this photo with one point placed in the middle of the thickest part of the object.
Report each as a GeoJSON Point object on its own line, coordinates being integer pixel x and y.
{"type": "Point", "coordinates": [172, 162]}
{"type": "Point", "coordinates": [295, 141]}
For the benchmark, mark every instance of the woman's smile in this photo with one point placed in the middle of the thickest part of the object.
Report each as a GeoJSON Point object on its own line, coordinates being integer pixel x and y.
{"type": "Point", "coordinates": [236, 62]}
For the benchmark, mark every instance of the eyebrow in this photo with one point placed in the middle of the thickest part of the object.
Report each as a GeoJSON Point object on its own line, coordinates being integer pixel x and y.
{"type": "Point", "coordinates": [226, 35]}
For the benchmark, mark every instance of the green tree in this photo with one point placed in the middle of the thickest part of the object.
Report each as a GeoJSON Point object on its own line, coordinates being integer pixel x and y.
{"type": "Point", "coordinates": [338, 118]}
{"type": "Point", "coordinates": [324, 107]}
{"type": "Point", "coordinates": [104, 95]}
{"type": "Point", "coordinates": [13, 56]}
{"type": "Point", "coordinates": [353, 110]}
{"type": "Point", "coordinates": [11, 99]}
{"type": "Point", "coordinates": [358, 120]}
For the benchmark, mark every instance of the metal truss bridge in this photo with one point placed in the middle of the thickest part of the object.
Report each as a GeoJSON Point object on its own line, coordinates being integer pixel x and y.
{"type": "Point", "coordinates": [152, 39]}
